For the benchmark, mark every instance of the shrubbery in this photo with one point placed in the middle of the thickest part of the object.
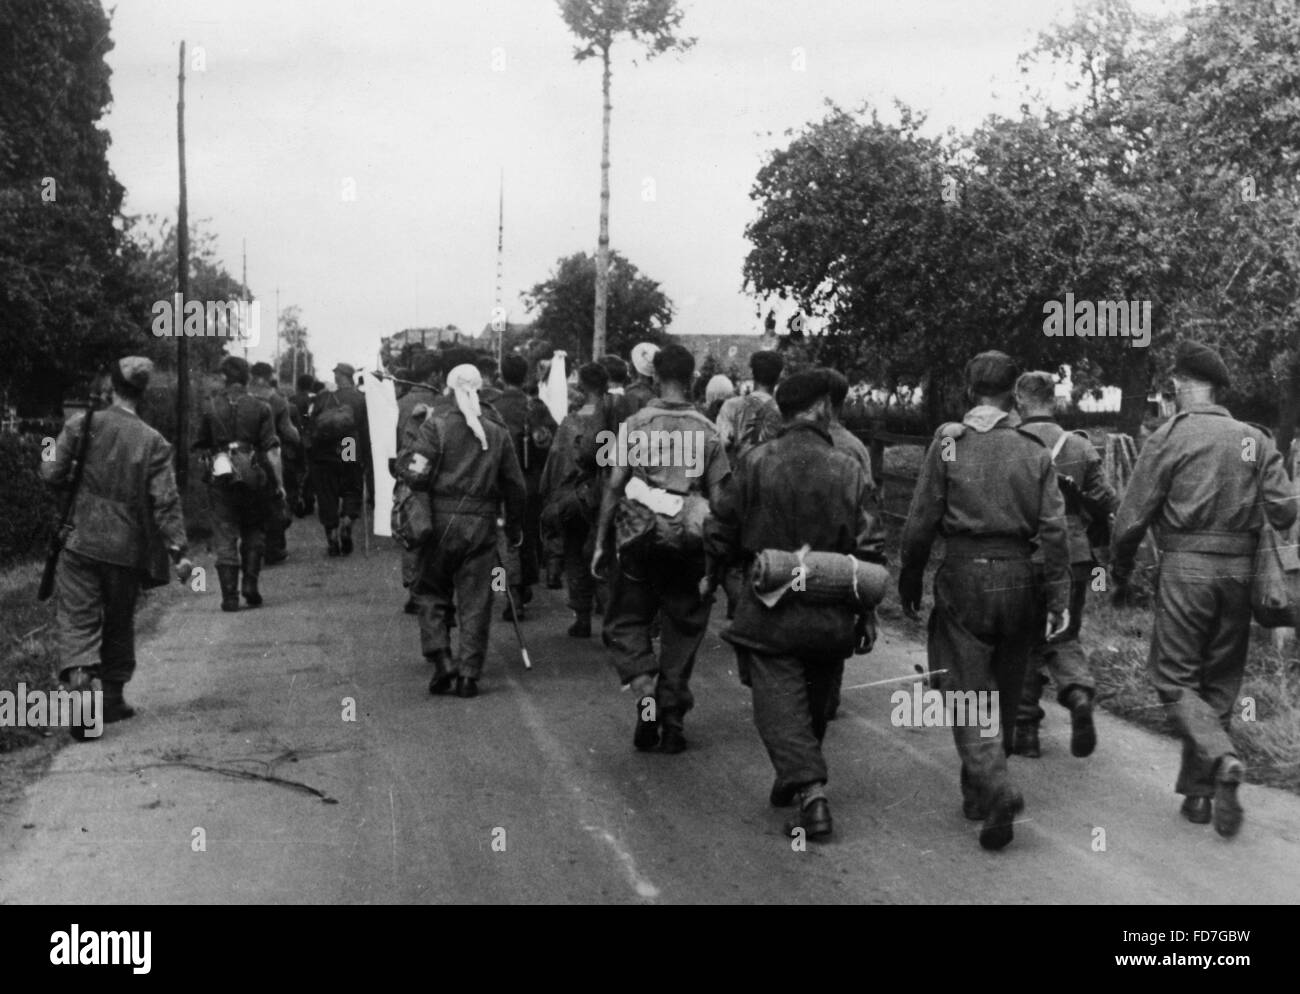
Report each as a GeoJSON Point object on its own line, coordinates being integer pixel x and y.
{"type": "Point", "coordinates": [28, 509]}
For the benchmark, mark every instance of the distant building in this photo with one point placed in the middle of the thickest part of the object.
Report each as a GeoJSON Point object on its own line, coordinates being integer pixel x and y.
{"type": "Point", "coordinates": [730, 353]}
{"type": "Point", "coordinates": [429, 338]}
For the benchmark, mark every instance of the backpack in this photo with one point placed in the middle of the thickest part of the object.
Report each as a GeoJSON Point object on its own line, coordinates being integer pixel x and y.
{"type": "Point", "coordinates": [332, 422]}
{"type": "Point", "coordinates": [245, 472]}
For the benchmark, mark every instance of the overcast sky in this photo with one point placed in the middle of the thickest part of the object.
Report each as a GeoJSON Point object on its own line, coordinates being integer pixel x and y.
{"type": "Point", "coordinates": [402, 99]}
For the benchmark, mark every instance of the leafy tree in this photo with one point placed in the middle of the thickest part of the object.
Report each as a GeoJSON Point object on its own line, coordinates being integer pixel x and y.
{"type": "Point", "coordinates": [65, 292]}
{"type": "Point", "coordinates": [638, 310]}
{"type": "Point", "coordinates": [655, 25]}
{"type": "Point", "coordinates": [295, 352]}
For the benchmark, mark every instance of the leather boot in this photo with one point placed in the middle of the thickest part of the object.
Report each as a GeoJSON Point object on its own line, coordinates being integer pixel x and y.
{"type": "Point", "coordinates": [229, 577]}
{"type": "Point", "coordinates": [672, 737]}
{"type": "Point", "coordinates": [581, 627]}
{"type": "Point", "coordinates": [332, 538]}
{"type": "Point", "coordinates": [814, 815]}
{"type": "Point", "coordinates": [1083, 733]}
{"type": "Point", "coordinates": [252, 570]}
{"type": "Point", "coordinates": [345, 536]}
{"type": "Point", "coordinates": [115, 706]}
{"type": "Point", "coordinates": [1026, 741]}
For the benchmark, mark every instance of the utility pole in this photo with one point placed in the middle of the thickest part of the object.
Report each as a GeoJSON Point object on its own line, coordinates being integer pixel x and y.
{"type": "Point", "coordinates": [498, 311]}
{"type": "Point", "coordinates": [244, 283]}
{"type": "Point", "coordinates": [183, 287]}
{"type": "Point", "coordinates": [277, 331]}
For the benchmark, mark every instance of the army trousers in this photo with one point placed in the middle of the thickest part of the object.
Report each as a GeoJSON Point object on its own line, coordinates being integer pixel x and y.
{"type": "Point", "coordinates": [790, 704]}
{"type": "Point", "coordinates": [239, 520]}
{"type": "Point", "coordinates": [454, 579]}
{"type": "Point", "coordinates": [981, 631]}
{"type": "Point", "coordinates": [649, 587]}
{"type": "Point", "coordinates": [579, 548]}
{"type": "Point", "coordinates": [95, 617]}
{"type": "Point", "coordinates": [1199, 642]}
{"type": "Point", "coordinates": [338, 486]}
{"type": "Point", "coordinates": [1063, 660]}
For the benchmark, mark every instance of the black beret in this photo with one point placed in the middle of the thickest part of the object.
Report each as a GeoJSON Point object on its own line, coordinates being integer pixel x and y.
{"type": "Point", "coordinates": [234, 368]}
{"type": "Point", "coordinates": [261, 369]}
{"type": "Point", "coordinates": [1201, 362]}
{"type": "Point", "coordinates": [991, 373]}
{"type": "Point", "coordinates": [458, 355]}
{"type": "Point", "coordinates": [800, 391]}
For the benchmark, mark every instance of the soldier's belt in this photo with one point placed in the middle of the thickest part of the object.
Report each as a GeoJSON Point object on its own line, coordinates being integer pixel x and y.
{"type": "Point", "coordinates": [477, 506]}
{"type": "Point", "coordinates": [986, 547]}
{"type": "Point", "coordinates": [1218, 543]}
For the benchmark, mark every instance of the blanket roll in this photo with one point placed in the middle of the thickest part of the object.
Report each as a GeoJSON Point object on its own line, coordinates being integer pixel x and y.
{"type": "Point", "coordinates": [824, 577]}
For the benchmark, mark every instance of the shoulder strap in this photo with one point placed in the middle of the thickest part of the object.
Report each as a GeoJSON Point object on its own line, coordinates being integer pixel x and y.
{"type": "Point", "coordinates": [1060, 444]}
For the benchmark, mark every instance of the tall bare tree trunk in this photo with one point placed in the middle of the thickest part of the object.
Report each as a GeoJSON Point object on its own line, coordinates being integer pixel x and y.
{"type": "Point", "coordinates": [1135, 383]}
{"type": "Point", "coordinates": [602, 243]}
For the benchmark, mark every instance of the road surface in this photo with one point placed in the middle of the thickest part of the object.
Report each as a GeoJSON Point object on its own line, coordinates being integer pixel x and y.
{"type": "Point", "coordinates": [241, 781]}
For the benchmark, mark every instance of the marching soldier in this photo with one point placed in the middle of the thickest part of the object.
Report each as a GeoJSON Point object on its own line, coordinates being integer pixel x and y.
{"type": "Point", "coordinates": [279, 520]}
{"type": "Point", "coordinates": [1089, 503]}
{"type": "Point", "coordinates": [745, 421]}
{"type": "Point", "coordinates": [340, 455]}
{"type": "Point", "coordinates": [796, 490]}
{"type": "Point", "coordinates": [570, 488]}
{"type": "Point", "coordinates": [531, 429]}
{"type": "Point", "coordinates": [303, 495]}
{"type": "Point", "coordinates": [464, 458]}
{"type": "Point", "coordinates": [244, 479]}
{"type": "Point", "coordinates": [412, 408]}
{"type": "Point", "coordinates": [845, 441]}
{"type": "Point", "coordinates": [988, 487]}
{"type": "Point", "coordinates": [654, 581]}
{"type": "Point", "coordinates": [125, 504]}
{"type": "Point", "coordinates": [1206, 482]}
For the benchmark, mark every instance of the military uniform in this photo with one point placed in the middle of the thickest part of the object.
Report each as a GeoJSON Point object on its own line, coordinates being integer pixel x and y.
{"type": "Point", "coordinates": [338, 469]}
{"type": "Point", "coordinates": [239, 514]}
{"type": "Point", "coordinates": [1089, 501]}
{"type": "Point", "coordinates": [766, 505]}
{"type": "Point", "coordinates": [125, 506]}
{"type": "Point", "coordinates": [302, 496]}
{"type": "Point", "coordinates": [1207, 503]}
{"type": "Point", "coordinates": [532, 429]}
{"type": "Point", "coordinates": [467, 488]}
{"type": "Point", "coordinates": [290, 453]}
{"type": "Point", "coordinates": [412, 408]}
{"type": "Point", "coordinates": [652, 584]}
{"type": "Point", "coordinates": [570, 495]}
{"type": "Point", "coordinates": [989, 488]}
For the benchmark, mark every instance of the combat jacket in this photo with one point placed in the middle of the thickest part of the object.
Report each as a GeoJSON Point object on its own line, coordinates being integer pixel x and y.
{"type": "Point", "coordinates": [678, 419]}
{"type": "Point", "coordinates": [532, 429]}
{"type": "Point", "coordinates": [1089, 498]}
{"type": "Point", "coordinates": [461, 477]}
{"type": "Point", "coordinates": [794, 490]}
{"type": "Point", "coordinates": [127, 493]}
{"type": "Point", "coordinates": [356, 400]}
{"type": "Point", "coordinates": [419, 397]}
{"type": "Point", "coordinates": [1205, 481]}
{"type": "Point", "coordinates": [849, 443]}
{"type": "Point", "coordinates": [638, 395]}
{"type": "Point", "coordinates": [235, 415]}
{"type": "Point", "coordinates": [285, 429]}
{"type": "Point", "coordinates": [987, 484]}
{"type": "Point", "coordinates": [562, 463]}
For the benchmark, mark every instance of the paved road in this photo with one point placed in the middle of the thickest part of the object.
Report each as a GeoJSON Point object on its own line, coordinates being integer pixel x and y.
{"type": "Point", "coordinates": [242, 730]}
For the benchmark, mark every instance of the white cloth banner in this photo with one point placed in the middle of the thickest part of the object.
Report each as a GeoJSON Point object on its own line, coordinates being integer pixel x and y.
{"type": "Point", "coordinates": [381, 412]}
{"type": "Point", "coordinates": [555, 391]}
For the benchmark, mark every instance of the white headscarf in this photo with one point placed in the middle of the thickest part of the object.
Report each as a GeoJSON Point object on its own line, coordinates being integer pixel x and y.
{"type": "Point", "coordinates": [464, 382]}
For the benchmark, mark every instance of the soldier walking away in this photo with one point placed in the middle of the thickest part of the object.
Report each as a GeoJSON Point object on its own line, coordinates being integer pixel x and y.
{"type": "Point", "coordinates": [340, 438]}
{"type": "Point", "coordinates": [744, 422]}
{"type": "Point", "coordinates": [1089, 503]}
{"type": "Point", "coordinates": [412, 408]}
{"type": "Point", "coordinates": [570, 489]}
{"type": "Point", "coordinates": [837, 385]}
{"type": "Point", "coordinates": [988, 487]}
{"type": "Point", "coordinates": [1206, 482]}
{"type": "Point", "coordinates": [532, 429]}
{"type": "Point", "coordinates": [302, 494]}
{"type": "Point", "coordinates": [652, 578]}
{"type": "Point", "coordinates": [290, 453]}
{"type": "Point", "coordinates": [244, 480]}
{"type": "Point", "coordinates": [124, 511]}
{"type": "Point", "coordinates": [796, 491]}
{"type": "Point", "coordinates": [465, 461]}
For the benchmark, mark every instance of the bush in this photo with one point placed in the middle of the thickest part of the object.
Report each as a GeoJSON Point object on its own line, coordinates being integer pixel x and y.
{"type": "Point", "coordinates": [28, 509]}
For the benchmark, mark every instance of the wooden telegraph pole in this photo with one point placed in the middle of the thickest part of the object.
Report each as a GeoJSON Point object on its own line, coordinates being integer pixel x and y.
{"type": "Point", "coordinates": [183, 286]}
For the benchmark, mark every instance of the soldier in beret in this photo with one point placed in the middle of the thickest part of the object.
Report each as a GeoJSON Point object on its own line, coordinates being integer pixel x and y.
{"type": "Point", "coordinates": [261, 378]}
{"type": "Point", "coordinates": [988, 487]}
{"type": "Point", "coordinates": [126, 504]}
{"type": "Point", "coordinates": [1206, 482]}
{"type": "Point", "coordinates": [340, 456]}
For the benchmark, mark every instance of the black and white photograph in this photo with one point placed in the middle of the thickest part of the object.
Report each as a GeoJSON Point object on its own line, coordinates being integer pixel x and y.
{"type": "Point", "coordinates": [650, 452]}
